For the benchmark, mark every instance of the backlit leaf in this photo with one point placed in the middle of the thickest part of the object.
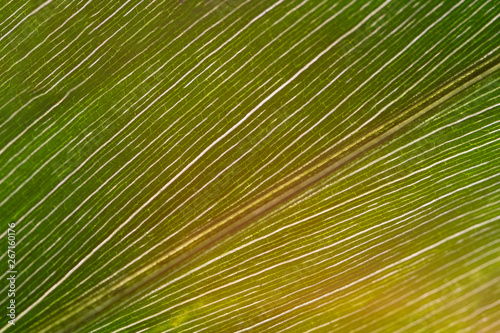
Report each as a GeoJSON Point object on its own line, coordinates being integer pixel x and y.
{"type": "Point", "coordinates": [250, 166]}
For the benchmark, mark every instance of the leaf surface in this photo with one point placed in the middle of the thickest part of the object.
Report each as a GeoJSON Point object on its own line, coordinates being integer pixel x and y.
{"type": "Point", "coordinates": [262, 166]}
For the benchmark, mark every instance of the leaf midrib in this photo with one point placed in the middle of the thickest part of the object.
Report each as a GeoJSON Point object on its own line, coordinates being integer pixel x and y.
{"type": "Point", "coordinates": [204, 240]}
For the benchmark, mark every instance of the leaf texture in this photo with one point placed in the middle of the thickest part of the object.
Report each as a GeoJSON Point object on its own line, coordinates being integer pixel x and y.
{"type": "Point", "coordinates": [260, 166]}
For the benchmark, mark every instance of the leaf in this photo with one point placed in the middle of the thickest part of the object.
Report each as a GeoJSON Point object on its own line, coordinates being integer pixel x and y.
{"type": "Point", "coordinates": [233, 166]}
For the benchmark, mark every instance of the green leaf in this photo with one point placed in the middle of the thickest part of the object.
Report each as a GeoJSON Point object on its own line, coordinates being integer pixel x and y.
{"type": "Point", "coordinates": [260, 166]}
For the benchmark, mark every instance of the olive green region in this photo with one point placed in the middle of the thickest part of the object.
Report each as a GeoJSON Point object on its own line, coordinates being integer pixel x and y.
{"type": "Point", "coordinates": [128, 128]}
